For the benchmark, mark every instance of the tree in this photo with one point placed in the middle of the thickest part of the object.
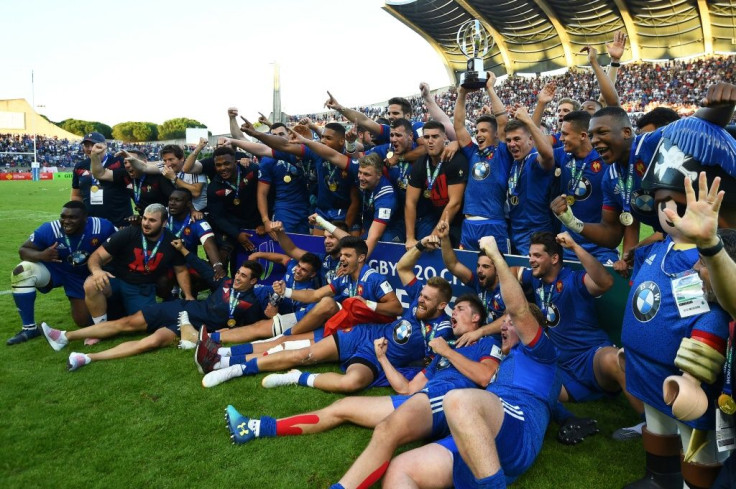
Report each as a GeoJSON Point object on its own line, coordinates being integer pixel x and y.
{"type": "Point", "coordinates": [177, 128]}
{"type": "Point", "coordinates": [81, 128]}
{"type": "Point", "coordinates": [135, 131]}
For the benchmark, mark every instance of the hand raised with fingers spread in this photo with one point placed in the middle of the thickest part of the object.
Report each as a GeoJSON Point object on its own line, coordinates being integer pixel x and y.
{"type": "Point", "coordinates": [700, 222]}
{"type": "Point", "coordinates": [616, 48]}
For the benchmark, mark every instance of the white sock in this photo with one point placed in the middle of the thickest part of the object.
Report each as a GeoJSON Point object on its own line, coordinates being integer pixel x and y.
{"type": "Point", "coordinates": [310, 380]}
{"type": "Point", "coordinates": [224, 362]}
{"type": "Point", "coordinates": [224, 351]}
{"type": "Point", "coordinates": [100, 319]}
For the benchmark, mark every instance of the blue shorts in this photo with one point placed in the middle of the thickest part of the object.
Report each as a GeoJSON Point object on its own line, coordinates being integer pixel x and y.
{"type": "Point", "coordinates": [439, 422]}
{"type": "Point", "coordinates": [294, 222]}
{"type": "Point", "coordinates": [134, 296]}
{"type": "Point", "coordinates": [73, 284]}
{"type": "Point", "coordinates": [578, 377]}
{"type": "Point", "coordinates": [355, 345]}
{"type": "Point", "coordinates": [424, 226]}
{"type": "Point", "coordinates": [473, 230]}
{"type": "Point", "coordinates": [332, 214]}
{"type": "Point", "coordinates": [517, 443]}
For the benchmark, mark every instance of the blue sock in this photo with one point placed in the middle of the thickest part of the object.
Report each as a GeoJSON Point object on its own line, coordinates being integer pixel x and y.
{"type": "Point", "coordinates": [268, 427]}
{"type": "Point", "coordinates": [560, 414]}
{"type": "Point", "coordinates": [215, 336]}
{"type": "Point", "coordinates": [237, 359]}
{"type": "Point", "coordinates": [304, 378]}
{"type": "Point", "coordinates": [243, 349]}
{"type": "Point", "coordinates": [251, 367]}
{"type": "Point", "coordinates": [25, 304]}
{"type": "Point", "coordinates": [337, 486]}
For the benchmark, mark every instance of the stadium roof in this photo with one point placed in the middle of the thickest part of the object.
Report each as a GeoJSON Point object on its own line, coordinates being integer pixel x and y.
{"type": "Point", "coordinates": [533, 36]}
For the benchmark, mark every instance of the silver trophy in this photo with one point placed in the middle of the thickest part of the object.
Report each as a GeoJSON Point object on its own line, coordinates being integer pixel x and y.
{"type": "Point", "coordinates": [473, 41]}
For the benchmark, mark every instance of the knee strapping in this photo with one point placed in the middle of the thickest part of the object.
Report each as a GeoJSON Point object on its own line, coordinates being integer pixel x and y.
{"type": "Point", "coordinates": [29, 275]}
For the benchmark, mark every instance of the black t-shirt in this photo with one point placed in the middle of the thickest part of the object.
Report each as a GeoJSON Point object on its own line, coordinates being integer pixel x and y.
{"type": "Point", "coordinates": [115, 204]}
{"type": "Point", "coordinates": [126, 248]}
{"type": "Point", "coordinates": [208, 164]}
{"type": "Point", "coordinates": [451, 172]}
{"type": "Point", "coordinates": [227, 216]}
{"type": "Point", "coordinates": [154, 189]}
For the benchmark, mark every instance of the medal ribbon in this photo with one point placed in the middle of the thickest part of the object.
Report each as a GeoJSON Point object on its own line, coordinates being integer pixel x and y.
{"type": "Point", "coordinates": [233, 302]}
{"type": "Point", "coordinates": [69, 246]}
{"type": "Point", "coordinates": [487, 152]}
{"type": "Point", "coordinates": [577, 177]}
{"type": "Point", "coordinates": [137, 188]}
{"type": "Point", "coordinates": [431, 180]}
{"type": "Point", "coordinates": [728, 366]}
{"type": "Point", "coordinates": [629, 185]}
{"type": "Point", "coordinates": [516, 170]}
{"type": "Point", "coordinates": [144, 244]}
{"type": "Point", "coordinates": [187, 221]}
{"type": "Point", "coordinates": [546, 298]}
{"type": "Point", "coordinates": [235, 187]}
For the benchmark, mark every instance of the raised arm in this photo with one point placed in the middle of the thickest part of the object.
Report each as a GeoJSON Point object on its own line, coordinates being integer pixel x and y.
{"type": "Point", "coordinates": [95, 157]}
{"type": "Point", "coordinates": [353, 115]}
{"type": "Point", "coordinates": [322, 150]}
{"type": "Point", "coordinates": [317, 220]}
{"type": "Point", "coordinates": [435, 112]}
{"type": "Point", "coordinates": [396, 379]}
{"type": "Point", "coordinates": [188, 166]}
{"type": "Point", "coordinates": [405, 267]}
{"type": "Point", "coordinates": [513, 296]}
{"type": "Point", "coordinates": [232, 115]}
{"type": "Point", "coordinates": [498, 109]}
{"type": "Point", "coordinates": [285, 241]}
{"type": "Point", "coordinates": [463, 136]}
{"type": "Point", "coordinates": [615, 52]}
{"type": "Point", "coordinates": [544, 97]}
{"type": "Point", "coordinates": [608, 90]}
{"type": "Point", "coordinates": [463, 273]}
{"type": "Point", "coordinates": [597, 279]}
{"type": "Point", "coordinates": [546, 157]}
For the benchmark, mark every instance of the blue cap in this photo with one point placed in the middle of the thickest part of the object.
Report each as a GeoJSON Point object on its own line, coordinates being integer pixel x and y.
{"type": "Point", "coordinates": [94, 137]}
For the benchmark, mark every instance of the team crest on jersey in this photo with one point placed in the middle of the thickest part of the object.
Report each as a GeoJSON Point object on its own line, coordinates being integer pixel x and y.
{"type": "Point", "coordinates": [646, 301]}
{"type": "Point", "coordinates": [95, 242]}
{"type": "Point", "coordinates": [187, 231]}
{"type": "Point", "coordinates": [443, 363]}
{"type": "Point", "coordinates": [596, 166]}
{"type": "Point", "coordinates": [559, 286]}
{"type": "Point", "coordinates": [360, 290]}
{"type": "Point", "coordinates": [481, 170]}
{"type": "Point", "coordinates": [583, 189]}
{"type": "Point", "coordinates": [402, 332]}
{"type": "Point", "coordinates": [553, 316]}
{"type": "Point", "coordinates": [640, 168]}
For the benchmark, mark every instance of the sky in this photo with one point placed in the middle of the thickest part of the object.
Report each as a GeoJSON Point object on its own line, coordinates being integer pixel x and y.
{"type": "Point", "coordinates": [134, 60]}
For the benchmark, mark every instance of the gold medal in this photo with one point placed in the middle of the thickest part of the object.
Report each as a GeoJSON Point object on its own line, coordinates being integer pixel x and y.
{"type": "Point", "coordinates": [287, 178]}
{"type": "Point", "coordinates": [94, 188]}
{"type": "Point", "coordinates": [626, 218]}
{"type": "Point", "coordinates": [570, 199]}
{"type": "Point", "coordinates": [514, 200]}
{"type": "Point", "coordinates": [236, 201]}
{"type": "Point", "coordinates": [427, 194]}
{"type": "Point", "coordinates": [230, 323]}
{"type": "Point", "coordinates": [558, 172]}
{"type": "Point", "coordinates": [332, 186]}
{"type": "Point", "coordinates": [726, 404]}
{"type": "Point", "coordinates": [389, 155]}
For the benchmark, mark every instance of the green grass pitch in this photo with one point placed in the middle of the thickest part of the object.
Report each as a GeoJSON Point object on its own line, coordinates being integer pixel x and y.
{"type": "Point", "coordinates": [147, 422]}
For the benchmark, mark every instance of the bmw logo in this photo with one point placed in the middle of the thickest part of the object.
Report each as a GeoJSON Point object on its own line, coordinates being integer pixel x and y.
{"type": "Point", "coordinates": [642, 201]}
{"type": "Point", "coordinates": [583, 189]}
{"type": "Point", "coordinates": [481, 170]}
{"type": "Point", "coordinates": [553, 316]}
{"type": "Point", "coordinates": [646, 301]}
{"type": "Point", "coordinates": [402, 332]}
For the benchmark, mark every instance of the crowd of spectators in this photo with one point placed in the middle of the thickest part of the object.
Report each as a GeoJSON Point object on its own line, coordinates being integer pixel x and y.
{"type": "Point", "coordinates": [53, 151]}
{"type": "Point", "coordinates": [678, 84]}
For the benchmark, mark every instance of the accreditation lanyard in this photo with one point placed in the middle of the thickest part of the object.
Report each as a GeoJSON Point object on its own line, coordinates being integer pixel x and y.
{"type": "Point", "coordinates": [368, 197]}
{"type": "Point", "coordinates": [233, 302]}
{"type": "Point", "coordinates": [431, 179]}
{"type": "Point", "coordinates": [186, 222]}
{"type": "Point", "coordinates": [146, 255]}
{"type": "Point", "coordinates": [236, 187]}
{"type": "Point", "coordinates": [137, 187]}
{"type": "Point", "coordinates": [487, 152]}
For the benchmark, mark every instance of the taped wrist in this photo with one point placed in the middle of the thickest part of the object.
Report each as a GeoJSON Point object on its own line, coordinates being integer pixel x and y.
{"type": "Point", "coordinates": [570, 221]}
{"type": "Point", "coordinates": [324, 224]}
{"type": "Point", "coordinates": [699, 360]}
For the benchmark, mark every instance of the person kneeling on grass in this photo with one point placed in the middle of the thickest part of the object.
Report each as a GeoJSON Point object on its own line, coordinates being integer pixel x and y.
{"type": "Point", "coordinates": [234, 301]}
{"type": "Point", "coordinates": [353, 347]}
{"type": "Point", "coordinates": [414, 414]}
{"type": "Point", "coordinates": [497, 433]}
